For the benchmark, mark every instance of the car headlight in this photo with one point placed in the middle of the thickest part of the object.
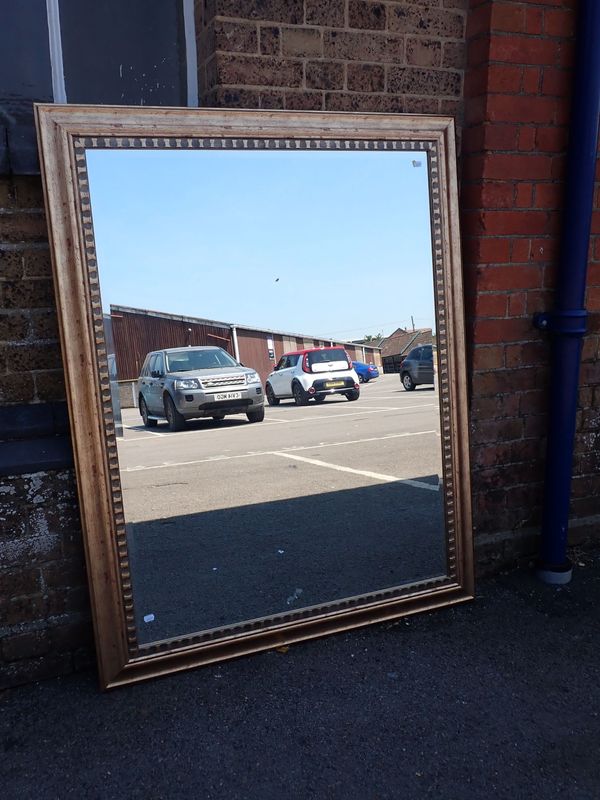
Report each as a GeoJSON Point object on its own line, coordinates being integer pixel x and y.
{"type": "Point", "coordinates": [187, 383]}
{"type": "Point", "coordinates": [252, 377]}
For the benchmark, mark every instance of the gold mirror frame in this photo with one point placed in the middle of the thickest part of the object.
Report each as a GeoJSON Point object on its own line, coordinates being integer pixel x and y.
{"type": "Point", "coordinates": [64, 134]}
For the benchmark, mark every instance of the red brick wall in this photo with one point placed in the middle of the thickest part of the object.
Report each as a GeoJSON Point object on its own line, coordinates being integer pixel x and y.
{"type": "Point", "coordinates": [517, 91]}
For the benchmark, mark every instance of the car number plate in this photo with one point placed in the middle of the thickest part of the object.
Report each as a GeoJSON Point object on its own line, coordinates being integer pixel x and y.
{"type": "Point", "coordinates": [333, 384]}
{"type": "Point", "coordinates": [228, 396]}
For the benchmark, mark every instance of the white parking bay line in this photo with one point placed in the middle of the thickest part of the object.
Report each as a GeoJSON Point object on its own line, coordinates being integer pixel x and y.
{"type": "Point", "coordinates": [398, 396]}
{"type": "Point", "coordinates": [356, 441]}
{"type": "Point", "coordinates": [375, 475]}
{"type": "Point", "coordinates": [278, 421]}
{"type": "Point", "coordinates": [254, 453]}
{"type": "Point", "coordinates": [363, 410]}
{"type": "Point", "coordinates": [137, 430]}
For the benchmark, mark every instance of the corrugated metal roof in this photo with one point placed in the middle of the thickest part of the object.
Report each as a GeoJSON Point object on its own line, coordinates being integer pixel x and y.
{"type": "Point", "coordinates": [164, 315]}
{"type": "Point", "coordinates": [237, 325]}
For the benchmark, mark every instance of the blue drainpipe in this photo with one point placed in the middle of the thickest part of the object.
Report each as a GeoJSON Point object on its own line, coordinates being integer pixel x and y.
{"type": "Point", "coordinates": [567, 322]}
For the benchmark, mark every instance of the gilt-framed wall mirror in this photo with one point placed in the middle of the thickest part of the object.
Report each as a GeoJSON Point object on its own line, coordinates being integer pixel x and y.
{"type": "Point", "coordinates": [261, 320]}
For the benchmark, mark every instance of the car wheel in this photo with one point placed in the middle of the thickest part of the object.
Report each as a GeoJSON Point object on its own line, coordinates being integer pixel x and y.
{"type": "Point", "coordinates": [175, 420]}
{"type": "Point", "coordinates": [271, 399]}
{"type": "Point", "coordinates": [320, 398]}
{"type": "Point", "coordinates": [256, 416]}
{"type": "Point", "coordinates": [354, 394]}
{"type": "Point", "coordinates": [300, 396]}
{"type": "Point", "coordinates": [408, 382]}
{"type": "Point", "coordinates": [361, 379]}
{"type": "Point", "coordinates": [218, 417]}
{"type": "Point", "coordinates": [148, 423]}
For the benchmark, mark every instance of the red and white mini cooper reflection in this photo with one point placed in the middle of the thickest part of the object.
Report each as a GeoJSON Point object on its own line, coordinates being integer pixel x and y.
{"type": "Point", "coordinates": [312, 373]}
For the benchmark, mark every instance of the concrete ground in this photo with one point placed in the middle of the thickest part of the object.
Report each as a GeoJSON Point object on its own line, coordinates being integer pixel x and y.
{"type": "Point", "coordinates": [230, 521]}
{"type": "Point", "coordinates": [499, 698]}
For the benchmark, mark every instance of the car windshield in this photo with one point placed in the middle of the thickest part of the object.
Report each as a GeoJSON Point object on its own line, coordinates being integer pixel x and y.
{"type": "Point", "coordinates": [191, 360]}
{"type": "Point", "coordinates": [327, 354]}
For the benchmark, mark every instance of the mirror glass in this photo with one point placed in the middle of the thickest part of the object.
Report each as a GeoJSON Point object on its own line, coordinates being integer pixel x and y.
{"type": "Point", "coordinates": [270, 329]}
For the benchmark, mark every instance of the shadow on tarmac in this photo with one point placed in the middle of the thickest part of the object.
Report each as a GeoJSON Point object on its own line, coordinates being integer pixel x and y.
{"type": "Point", "coordinates": [200, 571]}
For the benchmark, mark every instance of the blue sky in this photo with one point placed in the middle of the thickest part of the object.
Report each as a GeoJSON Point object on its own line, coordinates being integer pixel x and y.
{"type": "Point", "coordinates": [208, 233]}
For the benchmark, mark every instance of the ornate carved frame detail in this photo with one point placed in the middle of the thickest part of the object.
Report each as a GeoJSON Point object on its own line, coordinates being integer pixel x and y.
{"type": "Point", "coordinates": [65, 133]}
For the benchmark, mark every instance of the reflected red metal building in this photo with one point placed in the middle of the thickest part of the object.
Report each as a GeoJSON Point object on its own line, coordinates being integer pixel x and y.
{"type": "Point", "coordinates": [138, 331]}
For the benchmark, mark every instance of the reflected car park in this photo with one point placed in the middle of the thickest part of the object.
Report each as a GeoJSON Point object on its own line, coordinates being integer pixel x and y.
{"type": "Point", "coordinates": [298, 479]}
{"type": "Point", "coordinates": [224, 521]}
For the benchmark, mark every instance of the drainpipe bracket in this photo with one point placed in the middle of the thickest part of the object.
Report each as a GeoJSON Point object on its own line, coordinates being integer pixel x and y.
{"type": "Point", "coordinates": [572, 322]}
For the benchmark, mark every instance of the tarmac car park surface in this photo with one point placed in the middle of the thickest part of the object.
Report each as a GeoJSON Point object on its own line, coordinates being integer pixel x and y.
{"type": "Point", "coordinates": [259, 518]}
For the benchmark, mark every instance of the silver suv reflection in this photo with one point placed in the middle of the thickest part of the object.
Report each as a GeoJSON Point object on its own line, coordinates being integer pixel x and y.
{"type": "Point", "coordinates": [186, 383]}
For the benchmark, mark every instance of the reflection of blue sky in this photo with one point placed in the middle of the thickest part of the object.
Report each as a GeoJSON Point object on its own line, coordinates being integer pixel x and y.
{"type": "Point", "coordinates": [206, 234]}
